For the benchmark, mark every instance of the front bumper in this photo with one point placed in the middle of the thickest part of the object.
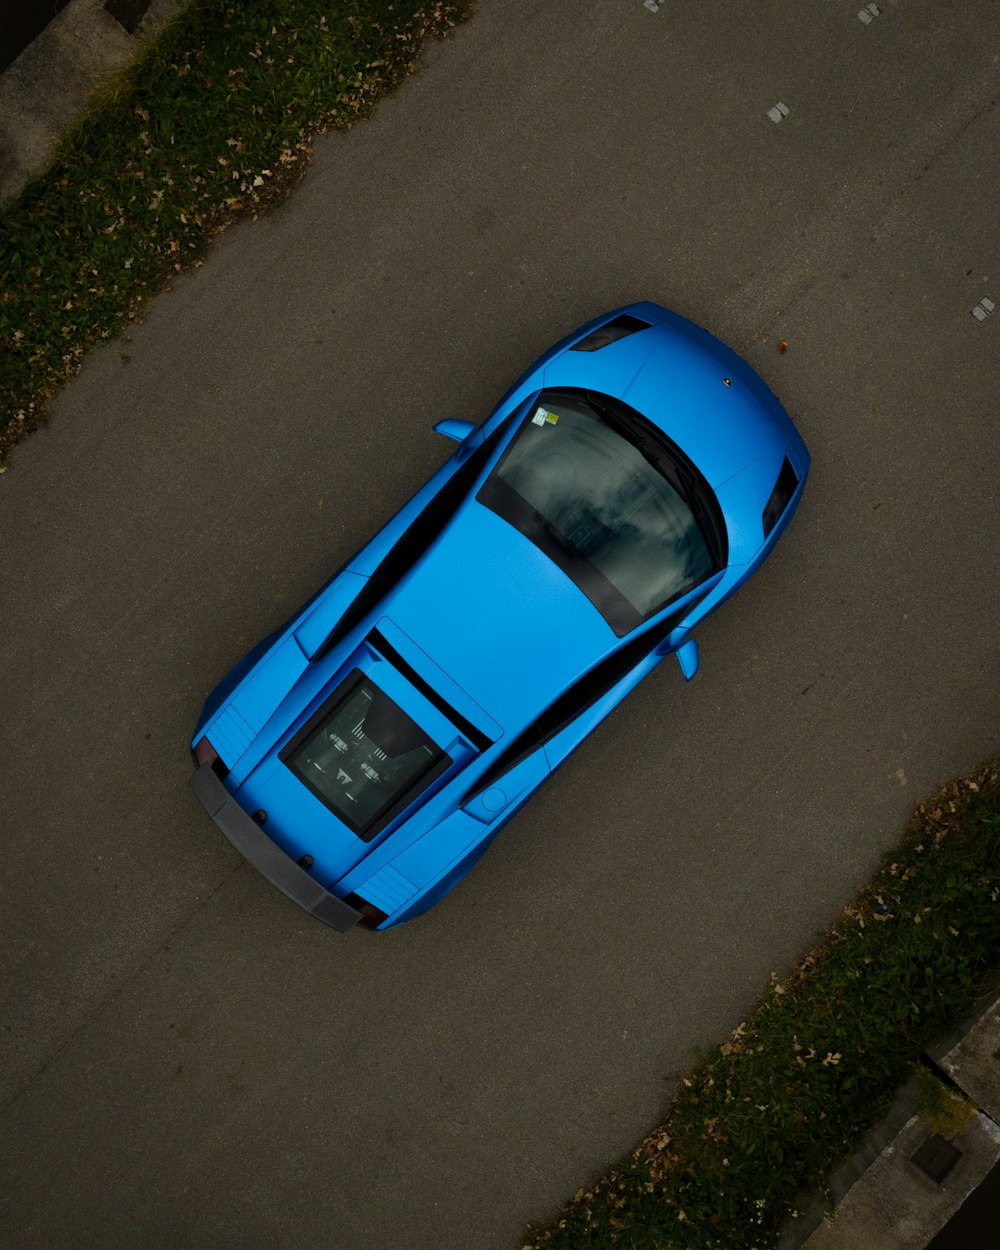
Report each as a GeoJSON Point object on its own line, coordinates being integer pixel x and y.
{"type": "Point", "coordinates": [267, 857]}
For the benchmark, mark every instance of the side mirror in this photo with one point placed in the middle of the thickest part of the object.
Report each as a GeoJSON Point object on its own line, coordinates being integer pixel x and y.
{"type": "Point", "coordinates": [687, 658]}
{"type": "Point", "coordinates": [452, 427]}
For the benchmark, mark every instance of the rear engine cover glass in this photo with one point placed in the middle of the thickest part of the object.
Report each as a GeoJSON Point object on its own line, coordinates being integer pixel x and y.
{"type": "Point", "coordinates": [363, 757]}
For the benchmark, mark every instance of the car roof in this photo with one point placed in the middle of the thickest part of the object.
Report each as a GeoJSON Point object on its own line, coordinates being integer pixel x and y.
{"type": "Point", "coordinates": [498, 616]}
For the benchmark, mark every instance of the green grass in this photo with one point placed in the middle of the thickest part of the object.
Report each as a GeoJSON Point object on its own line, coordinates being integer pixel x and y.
{"type": "Point", "coordinates": [213, 123]}
{"type": "Point", "coordinates": [797, 1086]}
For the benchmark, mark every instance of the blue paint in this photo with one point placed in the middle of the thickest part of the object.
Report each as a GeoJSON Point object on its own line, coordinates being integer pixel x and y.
{"type": "Point", "coordinates": [488, 629]}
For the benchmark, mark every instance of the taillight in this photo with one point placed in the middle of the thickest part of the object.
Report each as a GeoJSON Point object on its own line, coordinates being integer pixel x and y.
{"type": "Point", "coordinates": [205, 753]}
{"type": "Point", "coordinates": [371, 917]}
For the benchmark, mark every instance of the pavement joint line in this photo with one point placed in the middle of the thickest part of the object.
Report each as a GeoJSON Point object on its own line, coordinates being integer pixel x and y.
{"type": "Point", "coordinates": [953, 138]}
{"type": "Point", "coordinates": [120, 988]}
{"type": "Point", "coordinates": [771, 306]}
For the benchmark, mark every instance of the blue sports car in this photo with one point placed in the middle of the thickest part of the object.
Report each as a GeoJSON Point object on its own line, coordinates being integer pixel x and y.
{"type": "Point", "coordinates": [365, 755]}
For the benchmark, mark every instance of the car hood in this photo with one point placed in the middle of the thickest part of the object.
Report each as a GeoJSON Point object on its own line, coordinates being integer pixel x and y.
{"type": "Point", "coordinates": [504, 622]}
{"type": "Point", "coordinates": [722, 426]}
{"type": "Point", "coordinates": [673, 374]}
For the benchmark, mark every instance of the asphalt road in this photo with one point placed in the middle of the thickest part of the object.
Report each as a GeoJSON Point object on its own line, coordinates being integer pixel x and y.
{"type": "Point", "coordinates": [187, 1060]}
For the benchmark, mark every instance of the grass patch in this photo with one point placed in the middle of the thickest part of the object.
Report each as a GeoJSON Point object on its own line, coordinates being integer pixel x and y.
{"type": "Point", "coordinates": [211, 124]}
{"type": "Point", "coordinates": [798, 1085]}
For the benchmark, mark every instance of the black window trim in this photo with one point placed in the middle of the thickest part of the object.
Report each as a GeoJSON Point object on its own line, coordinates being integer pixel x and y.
{"type": "Point", "coordinates": [580, 696]}
{"type": "Point", "coordinates": [415, 540]}
{"type": "Point", "coordinates": [667, 459]}
{"type": "Point", "coordinates": [465, 727]}
{"type": "Point", "coordinates": [616, 610]}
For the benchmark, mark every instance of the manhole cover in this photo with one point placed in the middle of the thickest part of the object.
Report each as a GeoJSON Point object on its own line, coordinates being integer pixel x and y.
{"type": "Point", "coordinates": [936, 1157]}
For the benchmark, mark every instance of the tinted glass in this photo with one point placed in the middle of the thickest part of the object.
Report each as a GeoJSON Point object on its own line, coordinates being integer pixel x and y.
{"type": "Point", "coordinates": [364, 756]}
{"type": "Point", "coordinates": [584, 493]}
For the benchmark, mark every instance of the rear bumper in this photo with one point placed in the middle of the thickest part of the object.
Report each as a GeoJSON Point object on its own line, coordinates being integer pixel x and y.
{"type": "Point", "coordinates": [267, 857]}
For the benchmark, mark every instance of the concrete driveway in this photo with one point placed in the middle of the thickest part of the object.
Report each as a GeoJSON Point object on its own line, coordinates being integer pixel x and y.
{"type": "Point", "coordinates": [187, 1059]}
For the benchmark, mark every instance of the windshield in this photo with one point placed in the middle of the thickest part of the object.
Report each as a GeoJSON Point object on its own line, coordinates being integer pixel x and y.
{"type": "Point", "coordinates": [363, 756]}
{"type": "Point", "coordinates": [588, 484]}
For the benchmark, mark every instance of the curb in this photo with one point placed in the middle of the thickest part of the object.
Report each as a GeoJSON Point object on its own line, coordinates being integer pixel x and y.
{"type": "Point", "coordinates": [50, 85]}
{"type": "Point", "coordinates": [882, 1196]}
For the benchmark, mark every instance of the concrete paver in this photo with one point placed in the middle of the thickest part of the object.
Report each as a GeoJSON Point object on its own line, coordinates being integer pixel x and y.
{"type": "Point", "coordinates": [50, 84]}
{"type": "Point", "coordinates": [973, 1063]}
{"type": "Point", "coordinates": [895, 1205]}
{"type": "Point", "coordinates": [882, 1196]}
